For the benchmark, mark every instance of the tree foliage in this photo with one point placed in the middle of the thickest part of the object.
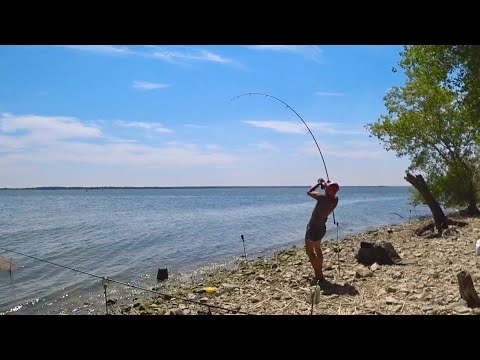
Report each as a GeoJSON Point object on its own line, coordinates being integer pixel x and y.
{"type": "Point", "coordinates": [434, 119]}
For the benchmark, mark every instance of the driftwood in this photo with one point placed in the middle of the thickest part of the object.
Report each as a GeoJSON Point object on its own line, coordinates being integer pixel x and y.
{"type": "Point", "coordinates": [431, 226]}
{"type": "Point", "coordinates": [438, 215]}
{"type": "Point", "coordinates": [467, 290]}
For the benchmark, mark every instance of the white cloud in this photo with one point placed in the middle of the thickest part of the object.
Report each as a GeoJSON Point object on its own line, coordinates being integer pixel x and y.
{"type": "Point", "coordinates": [334, 128]}
{"type": "Point", "coordinates": [143, 85]}
{"type": "Point", "coordinates": [10, 143]}
{"type": "Point", "coordinates": [212, 147]}
{"type": "Point", "coordinates": [29, 130]}
{"type": "Point", "coordinates": [326, 93]}
{"type": "Point", "coordinates": [358, 154]}
{"type": "Point", "coordinates": [311, 51]}
{"type": "Point", "coordinates": [299, 127]}
{"type": "Point", "coordinates": [144, 125]}
{"type": "Point", "coordinates": [38, 140]}
{"type": "Point", "coordinates": [102, 49]}
{"type": "Point", "coordinates": [360, 143]}
{"type": "Point", "coordinates": [180, 144]}
{"type": "Point", "coordinates": [292, 48]}
{"type": "Point", "coordinates": [344, 151]}
{"type": "Point", "coordinates": [196, 55]}
{"type": "Point", "coordinates": [173, 54]}
{"type": "Point", "coordinates": [194, 126]}
{"type": "Point", "coordinates": [279, 126]}
{"type": "Point", "coordinates": [205, 55]}
{"type": "Point", "coordinates": [264, 145]}
{"type": "Point", "coordinates": [126, 154]}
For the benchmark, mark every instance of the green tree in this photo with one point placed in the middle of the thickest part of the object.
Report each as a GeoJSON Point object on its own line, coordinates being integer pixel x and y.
{"type": "Point", "coordinates": [434, 119]}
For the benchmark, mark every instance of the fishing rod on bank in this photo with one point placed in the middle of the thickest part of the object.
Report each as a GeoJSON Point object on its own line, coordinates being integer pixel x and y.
{"type": "Point", "coordinates": [289, 107]}
{"type": "Point", "coordinates": [107, 279]}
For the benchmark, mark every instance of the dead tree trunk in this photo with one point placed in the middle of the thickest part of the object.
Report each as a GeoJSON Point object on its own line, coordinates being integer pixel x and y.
{"type": "Point", "coordinates": [472, 207]}
{"type": "Point", "coordinates": [438, 215]}
{"type": "Point", "coordinates": [467, 290]}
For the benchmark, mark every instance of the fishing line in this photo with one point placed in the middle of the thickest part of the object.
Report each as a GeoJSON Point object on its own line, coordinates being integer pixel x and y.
{"type": "Point", "coordinates": [296, 113]}
{"type": "Point", "coordinates": [106, 280]}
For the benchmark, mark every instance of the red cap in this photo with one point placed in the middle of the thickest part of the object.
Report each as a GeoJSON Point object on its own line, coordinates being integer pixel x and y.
{"type": "Point", "coordinates": [333, 187]}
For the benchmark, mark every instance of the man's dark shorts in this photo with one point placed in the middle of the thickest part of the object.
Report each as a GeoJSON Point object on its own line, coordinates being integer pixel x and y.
{"type": "Point", "coordinates": [315, 232]}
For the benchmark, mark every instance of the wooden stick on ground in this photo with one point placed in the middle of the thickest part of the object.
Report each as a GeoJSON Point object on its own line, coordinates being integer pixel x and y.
{"type": "Point", "coordinates": [467, 290]}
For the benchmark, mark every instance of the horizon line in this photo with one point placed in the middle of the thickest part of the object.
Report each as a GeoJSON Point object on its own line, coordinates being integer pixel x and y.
{"type": "Point", "coordinates": [177, 187]}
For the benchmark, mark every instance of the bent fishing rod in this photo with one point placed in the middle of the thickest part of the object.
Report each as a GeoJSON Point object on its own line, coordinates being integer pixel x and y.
{"type": "Point", "coordinates": [289, 107]}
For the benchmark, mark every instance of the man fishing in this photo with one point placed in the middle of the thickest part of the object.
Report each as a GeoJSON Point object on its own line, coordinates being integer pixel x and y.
{"type": "Point", "coordinates": [326, 203]}
{"type": "Point", "coordinates": [316, 227]}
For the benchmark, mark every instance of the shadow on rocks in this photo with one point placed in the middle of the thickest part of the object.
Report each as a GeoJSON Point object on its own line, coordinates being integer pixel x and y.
{"type": "Point", "coordinates": [329, 288]}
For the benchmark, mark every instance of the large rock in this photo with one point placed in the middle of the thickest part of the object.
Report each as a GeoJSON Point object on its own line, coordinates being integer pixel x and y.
{"type": "Point", "coordinates": [368, 254]}
{"type": "Point", "coordinates": [382, 254]}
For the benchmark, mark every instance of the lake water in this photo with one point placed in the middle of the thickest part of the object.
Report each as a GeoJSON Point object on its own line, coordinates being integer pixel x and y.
{"type": "Point", "coordinates": [128, 234]}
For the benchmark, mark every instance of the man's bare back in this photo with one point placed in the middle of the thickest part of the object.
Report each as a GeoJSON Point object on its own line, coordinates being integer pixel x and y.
{"type": "Point", "coordinates": [325, 205]}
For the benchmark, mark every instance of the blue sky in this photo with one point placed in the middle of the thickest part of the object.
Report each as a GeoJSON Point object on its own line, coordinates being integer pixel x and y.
{"type": "Point", "coordinates": [163, 116]}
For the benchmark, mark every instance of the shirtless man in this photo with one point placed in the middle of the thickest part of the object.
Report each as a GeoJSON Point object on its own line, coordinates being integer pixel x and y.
{"type": "Point", "coordinates": [316, 227]}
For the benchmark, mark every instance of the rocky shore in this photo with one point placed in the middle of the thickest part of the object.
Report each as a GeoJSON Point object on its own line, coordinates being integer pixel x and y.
{"type": "Point", "coordinates": [280, 284]}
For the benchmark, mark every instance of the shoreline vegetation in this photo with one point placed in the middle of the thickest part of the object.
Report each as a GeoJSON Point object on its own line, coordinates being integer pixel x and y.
{"type": "Point", "coordinates": [179, 187]}
{"type": "Point", "coordinates": [280, 284]}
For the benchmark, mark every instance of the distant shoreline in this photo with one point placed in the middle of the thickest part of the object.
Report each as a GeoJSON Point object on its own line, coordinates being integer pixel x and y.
{"type": "Point", "coordinates": [177, 187]}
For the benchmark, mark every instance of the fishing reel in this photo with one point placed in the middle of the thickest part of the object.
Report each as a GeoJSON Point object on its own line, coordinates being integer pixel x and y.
{"type": "Point", "coordinates": [322, 183]}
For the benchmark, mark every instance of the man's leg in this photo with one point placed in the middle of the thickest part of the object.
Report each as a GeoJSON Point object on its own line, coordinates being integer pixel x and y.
{"type": "Point", "coordinates": [317, 246]}
{"type": "Point", "coordinates": [315, 255]}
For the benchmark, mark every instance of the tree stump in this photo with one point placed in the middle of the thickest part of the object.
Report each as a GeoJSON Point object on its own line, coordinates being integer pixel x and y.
{"type": "Point", "coordinates": [467, 290]}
